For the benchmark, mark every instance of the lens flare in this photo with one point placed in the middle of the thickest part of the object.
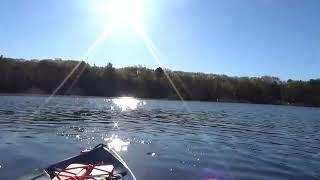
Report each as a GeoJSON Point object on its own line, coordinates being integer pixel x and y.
{"type": "Point", "coordinates": [156, 56]}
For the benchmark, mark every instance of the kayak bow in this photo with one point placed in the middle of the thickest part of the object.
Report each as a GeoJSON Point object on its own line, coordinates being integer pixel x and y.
{"type": "Point", "coordinates": [96, 164]}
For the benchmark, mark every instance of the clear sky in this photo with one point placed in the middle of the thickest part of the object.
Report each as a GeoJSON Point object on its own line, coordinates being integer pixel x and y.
{"type": "Point", "coordinates": [233, 37]}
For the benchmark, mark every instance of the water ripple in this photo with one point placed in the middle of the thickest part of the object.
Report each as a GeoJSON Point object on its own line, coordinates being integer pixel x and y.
{"type": "Point", "coordinates": [160, 139]}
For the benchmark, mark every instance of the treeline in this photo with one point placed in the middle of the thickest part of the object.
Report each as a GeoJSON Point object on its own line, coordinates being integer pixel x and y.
{"type": "Point", "coordinates": [79, 78]}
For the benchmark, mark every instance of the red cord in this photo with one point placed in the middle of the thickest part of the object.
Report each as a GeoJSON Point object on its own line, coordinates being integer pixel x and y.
{"type": "Point", "coordinates": [88, 168]}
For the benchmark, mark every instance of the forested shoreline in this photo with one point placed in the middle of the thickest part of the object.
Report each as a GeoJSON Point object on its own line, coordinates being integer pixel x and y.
{"type": "Point", "coordinates": [69, 77]}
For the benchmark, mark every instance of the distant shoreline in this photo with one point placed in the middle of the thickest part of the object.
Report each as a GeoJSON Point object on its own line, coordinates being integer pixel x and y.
{"type": "Point", "coordinates": [164, 99]}
{"type": "Point", "coordinates": [77, 78]}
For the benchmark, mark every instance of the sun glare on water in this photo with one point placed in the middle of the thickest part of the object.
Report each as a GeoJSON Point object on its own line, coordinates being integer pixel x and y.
{"type": "Point", "coordinates": [114, 142]}
{"type": "Point", "coordinates": [127, 103]}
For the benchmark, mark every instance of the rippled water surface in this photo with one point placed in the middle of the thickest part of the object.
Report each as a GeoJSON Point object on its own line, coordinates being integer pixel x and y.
{"type": "Point", "coordinates": [162, 139]}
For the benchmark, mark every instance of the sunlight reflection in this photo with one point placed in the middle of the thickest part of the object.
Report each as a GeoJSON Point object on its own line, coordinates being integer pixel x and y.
{"type": "Point", "coordinates": [114, 142]}
{"type": "Point", "coordinates": [127, 103]}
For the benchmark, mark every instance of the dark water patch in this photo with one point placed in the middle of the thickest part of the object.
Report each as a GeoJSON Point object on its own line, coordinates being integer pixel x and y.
{"type": "Point", "coordinates": [28, 136]}
{"type": "Point", "coordinates": [6, 112]}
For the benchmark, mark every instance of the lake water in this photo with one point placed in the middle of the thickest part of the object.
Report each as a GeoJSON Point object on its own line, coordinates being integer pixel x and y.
{"type": "Point", "coordinates": [162, 139]}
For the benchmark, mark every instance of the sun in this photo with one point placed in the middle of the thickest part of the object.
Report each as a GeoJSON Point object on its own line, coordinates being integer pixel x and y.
{"type": "Point", "coordinates": [125, 10]}
{"type": "Point", "coordinates": [121, 12]}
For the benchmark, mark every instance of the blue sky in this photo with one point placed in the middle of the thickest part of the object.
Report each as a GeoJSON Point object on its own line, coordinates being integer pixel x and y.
{"type": "Point", "coordinates": [233, 37]}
